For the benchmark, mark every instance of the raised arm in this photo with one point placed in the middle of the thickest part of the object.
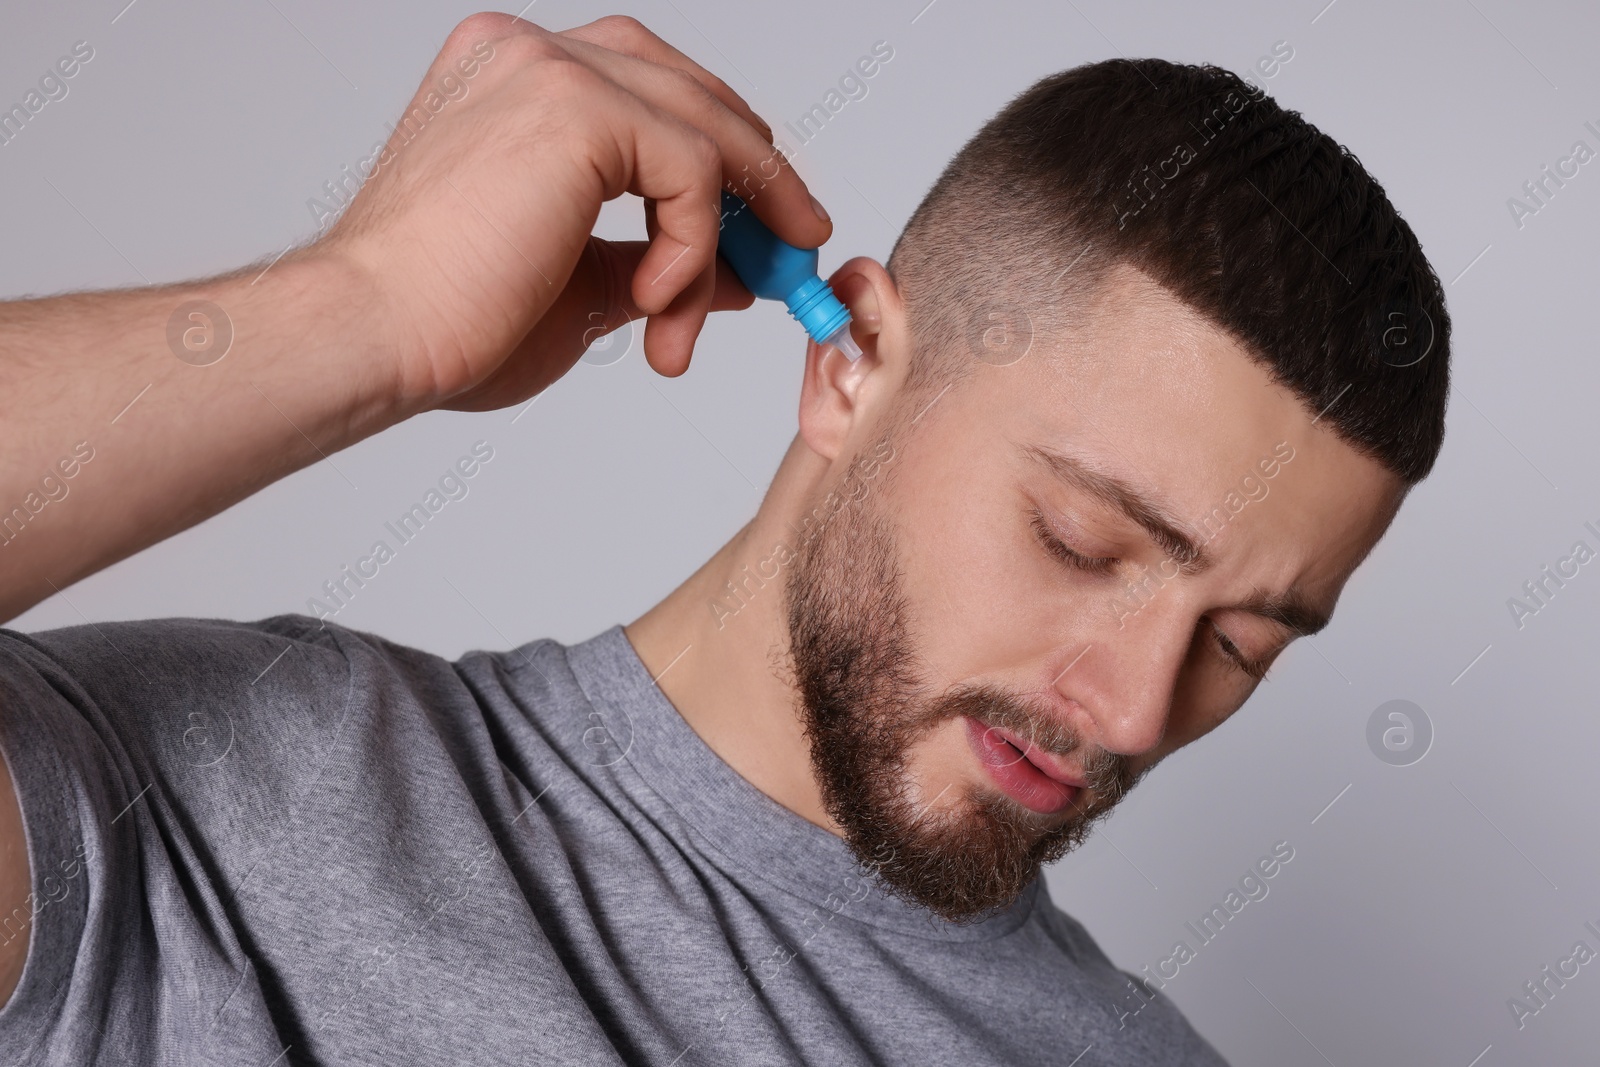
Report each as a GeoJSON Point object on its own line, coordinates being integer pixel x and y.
{"type": "Point", "coordinates": [463, 275]}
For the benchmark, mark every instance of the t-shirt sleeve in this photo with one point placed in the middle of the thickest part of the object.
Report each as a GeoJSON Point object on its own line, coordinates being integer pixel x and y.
{"type": "Point", "coordinates": [153, 761]}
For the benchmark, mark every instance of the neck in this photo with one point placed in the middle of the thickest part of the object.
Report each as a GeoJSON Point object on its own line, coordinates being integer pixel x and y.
{"type": "Point", "coordinates": [718, 648]}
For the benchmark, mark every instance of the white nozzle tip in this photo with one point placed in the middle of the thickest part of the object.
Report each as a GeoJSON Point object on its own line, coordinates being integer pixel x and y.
{"type": "Point", "coordinates": [842, 340]}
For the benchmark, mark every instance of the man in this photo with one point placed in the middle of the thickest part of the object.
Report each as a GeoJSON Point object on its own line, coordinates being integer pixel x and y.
{"type": "Point", "coordinates": [1148, 375]}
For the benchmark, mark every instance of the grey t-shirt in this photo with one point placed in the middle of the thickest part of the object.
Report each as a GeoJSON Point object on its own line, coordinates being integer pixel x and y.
{"type": "Point", "coordinates": [278, 843]}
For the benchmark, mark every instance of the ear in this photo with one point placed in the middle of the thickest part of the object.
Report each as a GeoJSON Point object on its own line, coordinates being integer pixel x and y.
{"type": "Point", "coordinates": [839, 398]}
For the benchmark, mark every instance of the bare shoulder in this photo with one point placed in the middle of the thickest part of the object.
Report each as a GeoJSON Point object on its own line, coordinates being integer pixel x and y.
{"type": "Point", "coordinates": [15, 874]}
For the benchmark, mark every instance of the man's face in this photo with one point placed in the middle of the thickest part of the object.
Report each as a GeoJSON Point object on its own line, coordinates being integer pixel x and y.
{"type": "Point", "coordinates": [1072, 566]}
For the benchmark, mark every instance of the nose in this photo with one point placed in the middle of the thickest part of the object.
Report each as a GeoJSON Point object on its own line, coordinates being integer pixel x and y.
{"type": "Point", "coordinates": [1126, 681]}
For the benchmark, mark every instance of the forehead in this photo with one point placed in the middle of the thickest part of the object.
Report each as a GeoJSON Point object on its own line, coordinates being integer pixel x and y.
{"type": "Point", "coordinates": [1149, 391]}
{"type": "Point", "coordinates": [1138, 355]}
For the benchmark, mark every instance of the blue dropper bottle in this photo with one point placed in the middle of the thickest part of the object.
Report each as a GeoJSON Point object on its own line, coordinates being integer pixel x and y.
{"type": "Point", "coordinates": [773, 269]}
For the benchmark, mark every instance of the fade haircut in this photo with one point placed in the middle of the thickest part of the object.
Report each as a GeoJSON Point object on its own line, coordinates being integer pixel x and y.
{"type": "Point", "coordinates": [1245, 211]}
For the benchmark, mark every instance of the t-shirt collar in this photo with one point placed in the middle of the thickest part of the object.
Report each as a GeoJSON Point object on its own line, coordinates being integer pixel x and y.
{"type": "Point", "coordinates": [636, 725]}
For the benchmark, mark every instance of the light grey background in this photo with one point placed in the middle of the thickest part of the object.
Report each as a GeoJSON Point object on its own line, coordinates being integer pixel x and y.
{"type": "Point", "coordinates": [1416, 904]}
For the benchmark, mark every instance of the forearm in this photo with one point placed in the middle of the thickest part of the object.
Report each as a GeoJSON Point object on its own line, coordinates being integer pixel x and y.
{"type": "Point", "coordinates": [483, 284]}
{"type": "Point", "coordinates": [113, 441]}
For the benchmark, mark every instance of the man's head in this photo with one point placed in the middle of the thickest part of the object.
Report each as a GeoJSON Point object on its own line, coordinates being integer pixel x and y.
{"type": "Point", "coordinates": [1147, 376]}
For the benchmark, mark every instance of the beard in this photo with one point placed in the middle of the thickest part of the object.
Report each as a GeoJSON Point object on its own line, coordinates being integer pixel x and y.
{"type": "Point", "coordinates": [864, 707]}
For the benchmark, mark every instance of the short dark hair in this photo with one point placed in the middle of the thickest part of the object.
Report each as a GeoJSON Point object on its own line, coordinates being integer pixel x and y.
{"type": "Point", "coordinates": [1241, 208]}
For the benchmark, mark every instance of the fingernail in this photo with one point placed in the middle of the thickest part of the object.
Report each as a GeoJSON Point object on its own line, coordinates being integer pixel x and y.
{"type": "Point", "coordinates": [822, 212]}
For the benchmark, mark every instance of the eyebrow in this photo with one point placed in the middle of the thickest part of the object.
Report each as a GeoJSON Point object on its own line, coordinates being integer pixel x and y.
{"type": "Point", "coordinates": [1290, 609]}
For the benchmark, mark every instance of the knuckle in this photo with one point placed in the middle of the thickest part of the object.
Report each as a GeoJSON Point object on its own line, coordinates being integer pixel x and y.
{"type": "Point", "coordinates": [509, 36]}
{"type": "Point", "coordinates": [708, 156]}
{"type": "Point", "coordinates": [624, 27]}
{"type": "Point", "coordinates": [685, 80]}
{"type": "Point", "coordinates": [704, 104]}
{"type": "Point", "coordinates": [479, 25]}
{"type": "Point", "coordinates": [704, 99]}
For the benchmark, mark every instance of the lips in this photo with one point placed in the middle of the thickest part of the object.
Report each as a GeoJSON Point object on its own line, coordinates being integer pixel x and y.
{"type": "Point", "coordinates": [1047, 764]}
{"type": "Point", "coordinates": [1030, 777]}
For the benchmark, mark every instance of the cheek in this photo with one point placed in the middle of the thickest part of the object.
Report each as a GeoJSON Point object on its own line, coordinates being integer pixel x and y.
{"type": "Point", "coordinates": [1207, 694]}
{"type": "Point", "coordinates": [982, 593]}
{"type": "Point", "coordinates": [943, 757]}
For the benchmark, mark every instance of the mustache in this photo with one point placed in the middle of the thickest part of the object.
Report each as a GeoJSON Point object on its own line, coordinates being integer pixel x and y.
{"type": "Point", "coordinates": [1109, 775]}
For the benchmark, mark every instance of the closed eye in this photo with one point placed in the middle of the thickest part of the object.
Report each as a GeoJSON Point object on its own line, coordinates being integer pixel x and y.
{"type": "Point", "coordinates": [1057, 548]}
{"type": "Point", "coordinates": [1103, 565]}
{"type": "Point", "coordinates": [1236, 659]}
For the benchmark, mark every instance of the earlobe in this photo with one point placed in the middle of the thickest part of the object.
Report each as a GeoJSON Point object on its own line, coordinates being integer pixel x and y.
{"type": "Point", "coordinates": [837, 392]}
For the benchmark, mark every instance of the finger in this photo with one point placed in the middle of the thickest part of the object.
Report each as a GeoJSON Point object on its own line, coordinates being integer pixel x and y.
{"type": "Point", "coordinates": [669, 335]}
{"type": "Point", "coordinates": [751, 167]}
{"type": "Point", "coordinates": [730, 293]}
{"type": "Point", "coordinates": [669, 343]}
{"type": "Point", "coordinates": [685, 243]}
{"type": "Point", "coordinates": [575, 325]}
{"type": "Point", "coordinates": [621, 260]}
{"type": "Point", "coordinates": [630, 37]}
{"type": "Point", "coordinates": [652, 154]}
